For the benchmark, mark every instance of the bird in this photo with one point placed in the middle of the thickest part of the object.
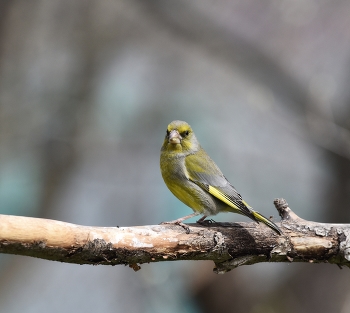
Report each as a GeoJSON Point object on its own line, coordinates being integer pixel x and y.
{"type": "Point", "coordinates": [194, 178]}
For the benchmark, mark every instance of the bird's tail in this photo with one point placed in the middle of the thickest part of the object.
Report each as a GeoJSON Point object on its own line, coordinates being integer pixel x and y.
{"type": "Point", "coordinates": [263, 219]}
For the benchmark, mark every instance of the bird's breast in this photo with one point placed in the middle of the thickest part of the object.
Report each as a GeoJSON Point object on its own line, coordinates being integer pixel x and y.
{"type": "Point", "coordinates": [175, 177]}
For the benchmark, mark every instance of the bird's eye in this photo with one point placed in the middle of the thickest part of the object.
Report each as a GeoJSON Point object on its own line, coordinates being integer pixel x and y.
{"type": "Point", "coordinates": [167, 133]}
{"type": "Point", "coordinates": [185, 133]}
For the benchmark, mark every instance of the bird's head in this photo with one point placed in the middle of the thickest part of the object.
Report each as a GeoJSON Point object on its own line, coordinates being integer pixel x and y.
{"type": "Point", "coordinates": [180, 137]}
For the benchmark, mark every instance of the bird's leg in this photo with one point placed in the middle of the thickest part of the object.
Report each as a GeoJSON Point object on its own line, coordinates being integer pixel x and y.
{"type": "Point", "coordinates": [201, 220]}
{"type": "Point", "coordinates": [180, 220]}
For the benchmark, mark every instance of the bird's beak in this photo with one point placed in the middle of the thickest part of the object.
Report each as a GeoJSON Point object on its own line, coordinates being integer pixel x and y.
{"type": "Point", "coordinates": [174, 137]}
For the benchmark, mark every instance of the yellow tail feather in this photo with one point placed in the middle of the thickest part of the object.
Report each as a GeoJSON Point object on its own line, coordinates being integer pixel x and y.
{"type": "Point", "coordinates": [267, 222]}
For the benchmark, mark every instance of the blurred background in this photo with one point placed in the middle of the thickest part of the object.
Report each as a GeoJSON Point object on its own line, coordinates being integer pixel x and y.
{"type": "Point", "coordinates": [87, 89]}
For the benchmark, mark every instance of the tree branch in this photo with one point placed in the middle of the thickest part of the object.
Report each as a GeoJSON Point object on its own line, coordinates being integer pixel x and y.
{"type": "Point", "coordinates": [229, 245]}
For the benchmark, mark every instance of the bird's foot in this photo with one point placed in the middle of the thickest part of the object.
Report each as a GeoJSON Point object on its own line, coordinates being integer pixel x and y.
{"type": "Point", "coordinates": [202, 221]}
{"type": "Point", "coordinates": [179, 223]}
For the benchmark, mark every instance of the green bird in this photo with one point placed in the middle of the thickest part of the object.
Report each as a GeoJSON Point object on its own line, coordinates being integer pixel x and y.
{"type": "Point", "coordinates": [194, 178]}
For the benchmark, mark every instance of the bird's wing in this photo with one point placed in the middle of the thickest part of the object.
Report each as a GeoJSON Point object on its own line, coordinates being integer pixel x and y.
{"type": "Point", "coordinates": [208, 176]}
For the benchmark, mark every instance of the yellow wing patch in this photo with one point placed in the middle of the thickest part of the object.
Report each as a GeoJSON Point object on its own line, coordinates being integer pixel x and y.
{"type": "Point", "coordinates": [224, 198]}
{"type": "Point", "coordinates": [246, 204]}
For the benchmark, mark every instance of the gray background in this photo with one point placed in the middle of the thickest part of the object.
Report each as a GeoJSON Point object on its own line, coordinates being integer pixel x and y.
{"type": "Point", "coordinates": [87, 89]}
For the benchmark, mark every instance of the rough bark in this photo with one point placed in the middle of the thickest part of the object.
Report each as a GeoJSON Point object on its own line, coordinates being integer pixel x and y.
{"type": "Point", "coordinates": [229, 245]}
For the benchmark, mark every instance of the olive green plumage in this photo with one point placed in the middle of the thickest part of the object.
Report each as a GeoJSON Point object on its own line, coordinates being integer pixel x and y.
{"type": "Point", "coordinates": [194, 178]}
